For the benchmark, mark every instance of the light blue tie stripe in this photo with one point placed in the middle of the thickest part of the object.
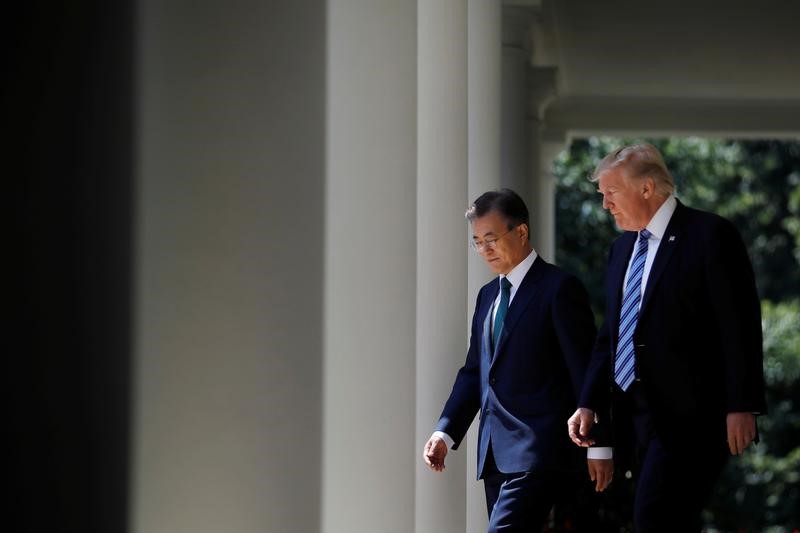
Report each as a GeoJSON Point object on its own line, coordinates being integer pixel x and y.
{"type": "Point", "coordinates": [624, 362]}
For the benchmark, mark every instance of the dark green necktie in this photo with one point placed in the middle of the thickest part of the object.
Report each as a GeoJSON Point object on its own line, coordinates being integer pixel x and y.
{"type": "Point", "coordinates": [502, 309]}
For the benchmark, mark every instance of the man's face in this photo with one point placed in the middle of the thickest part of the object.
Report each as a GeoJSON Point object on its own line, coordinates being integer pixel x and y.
{"type": "Point", "coordinates": [503, 249]}
{"type": "Point", "coordinates": [626, 199]}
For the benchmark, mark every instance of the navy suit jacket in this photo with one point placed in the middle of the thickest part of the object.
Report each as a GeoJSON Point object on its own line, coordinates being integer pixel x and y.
{"type": "Point", "coordinates": [529, 388]}
{"type": "Point", "coordinates": [698, 337]}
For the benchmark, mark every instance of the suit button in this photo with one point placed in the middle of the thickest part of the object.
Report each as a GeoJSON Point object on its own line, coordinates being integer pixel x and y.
{"type": "Point", "coordinates": [488, 411]}
{"type": "Point", "coordinates": [492, 381]}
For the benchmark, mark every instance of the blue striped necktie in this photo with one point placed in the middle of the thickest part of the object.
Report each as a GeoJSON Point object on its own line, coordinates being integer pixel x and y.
{"type": "Point", "coordinates": [624, 363]}
{"type": "Point", "coordinates": [502, 309]}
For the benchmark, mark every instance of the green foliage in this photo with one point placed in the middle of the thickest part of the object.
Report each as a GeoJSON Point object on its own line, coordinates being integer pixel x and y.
{"type": "Point", "coordinates": [762, 487]}
{"type": "Point", "coordinates": [756, 185]}
{"type": "Point", "coordinates": [584, 229]}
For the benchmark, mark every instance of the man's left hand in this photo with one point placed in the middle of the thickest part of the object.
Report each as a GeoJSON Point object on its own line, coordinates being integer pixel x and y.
{"type": "Point", "coordinates": [601, 471]}
{"type": "Point", "coordinates": [741, 431]}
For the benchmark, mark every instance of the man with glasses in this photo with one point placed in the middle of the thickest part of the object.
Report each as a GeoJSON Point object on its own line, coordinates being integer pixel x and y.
{"type": "Point", "coordinates": [532, 335]}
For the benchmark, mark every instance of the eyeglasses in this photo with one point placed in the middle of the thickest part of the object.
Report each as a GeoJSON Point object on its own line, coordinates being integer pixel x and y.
{"type": "Point", "coordinates": [488, 244]}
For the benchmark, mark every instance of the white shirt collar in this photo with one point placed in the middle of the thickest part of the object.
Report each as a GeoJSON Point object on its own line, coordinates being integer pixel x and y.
{"type": "Point", "coordinates": [518, 273]}
{"type": "Point", "coordinates": [658, 224]}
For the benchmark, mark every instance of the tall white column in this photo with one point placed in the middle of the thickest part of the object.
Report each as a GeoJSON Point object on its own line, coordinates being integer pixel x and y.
{"type": "Point", "coordinates": [514, 137]}
{"type": "Point", "coordinates": [441, 270]}
{"type": "Point", "coordinates": [229, 267]}
{"type": "Point", "coordinates": [370, 446]}
{"type": "Point", "coordinates": [542, 84]}
{"type": "Point", "coordinates": [484, 114]}
{"type": "Point", "coordinates": [544, 183]}
{"type": "Point", "coordinates": [514, 131]}
{"type": "Point", "coordinates": [484, 85]}
{"type": "Point", "coordinates": [540, 196]}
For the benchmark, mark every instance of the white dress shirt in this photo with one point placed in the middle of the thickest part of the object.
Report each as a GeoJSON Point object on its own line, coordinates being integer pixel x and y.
{"type": "Point", "coordinates": [657, 227]}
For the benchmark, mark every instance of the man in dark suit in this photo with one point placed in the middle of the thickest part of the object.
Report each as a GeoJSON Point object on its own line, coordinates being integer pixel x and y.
{"type": "Point", "coordinates": [532, 334]}
{"type": "Point", "coordinates": [678, 360]}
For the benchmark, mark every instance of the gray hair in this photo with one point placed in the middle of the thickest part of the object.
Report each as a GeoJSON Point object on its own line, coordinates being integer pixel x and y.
{"type": "Point", "coordinates": [641, 160]}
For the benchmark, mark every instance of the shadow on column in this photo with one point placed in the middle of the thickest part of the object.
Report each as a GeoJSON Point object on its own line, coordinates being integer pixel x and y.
{"type": "Point", "coordinates": [69, 100]}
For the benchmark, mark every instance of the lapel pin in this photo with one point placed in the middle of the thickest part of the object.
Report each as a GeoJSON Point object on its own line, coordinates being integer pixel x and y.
{"type": "Point", "coordinates": [672, 238]}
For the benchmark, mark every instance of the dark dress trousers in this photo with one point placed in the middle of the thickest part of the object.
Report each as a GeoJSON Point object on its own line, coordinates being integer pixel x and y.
{"type": "Point", "coordinates": [526, 391]}
{"type": "Point", "coordinates": [698, 357]}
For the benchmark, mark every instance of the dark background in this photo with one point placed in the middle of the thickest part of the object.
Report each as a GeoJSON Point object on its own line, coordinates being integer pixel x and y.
{"type": "Point", "coordinates": [68, 105]}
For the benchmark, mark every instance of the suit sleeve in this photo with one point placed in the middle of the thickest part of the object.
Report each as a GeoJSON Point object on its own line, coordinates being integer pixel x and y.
{"type": "Point", "coordinates": [464, 400]}
{"type": "Point", "coordinates": [596, 388]}
{"type": "Point", "coordinates": [596, 393]}
{"type": "Point", "coordinates": [737, 317]}
{"type": "Point", "coordinates": [574, 324]}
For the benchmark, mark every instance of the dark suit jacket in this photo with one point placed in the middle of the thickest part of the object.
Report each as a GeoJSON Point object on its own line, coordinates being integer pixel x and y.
{"type": "Point", "coordinates": [528, 390]}
{"type": "Point", "coordinates": [698, 336]}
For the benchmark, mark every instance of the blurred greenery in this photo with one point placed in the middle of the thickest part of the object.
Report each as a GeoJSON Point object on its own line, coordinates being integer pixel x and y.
{"type": "Point", "coordinates": [756, 185]}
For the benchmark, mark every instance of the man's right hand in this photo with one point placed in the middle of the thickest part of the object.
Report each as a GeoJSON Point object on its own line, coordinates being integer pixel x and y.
{"type": "Point", "coordinates": [434, 453]}
{"type": "Point", "coordinates": [579, 425]}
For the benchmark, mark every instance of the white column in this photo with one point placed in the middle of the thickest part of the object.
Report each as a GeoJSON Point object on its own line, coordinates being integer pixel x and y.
{"type": "Point", "coordinates": [441, 269]}
{"type": "Point", "coordinates": [514, 137]}
{"type": "Point", "coordinates": [229, 267]}
{"type": "Point", "coordinates": [484, 112]}
{"type": "Point", "coordinates": [370, 446]}
{"type": "Point", "coordinates": [484, 85]}
{"type": "Point", "coordinates": [544, 184]}
{"type": "Point", "coordinates": [514, 130]}
{"type": "Point", "coordinates": [542, 84]}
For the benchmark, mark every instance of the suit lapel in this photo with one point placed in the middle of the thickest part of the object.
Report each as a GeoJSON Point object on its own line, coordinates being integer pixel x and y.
{"type": "Point", "coordinates": [669, 241]}
{"type": "Point", "coordinates": [486, 336]}
{"type": "Point", "coordinates": [486, 311]}
{"type": "Point", "coordinates": [520, 302]}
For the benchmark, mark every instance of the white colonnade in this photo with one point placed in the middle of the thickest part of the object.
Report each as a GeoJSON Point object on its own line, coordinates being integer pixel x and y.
{"type": "Point", "coordinates": [303, 287]}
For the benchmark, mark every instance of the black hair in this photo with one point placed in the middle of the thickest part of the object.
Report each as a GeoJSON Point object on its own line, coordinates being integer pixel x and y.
{"type": "Point", "coordinates": [505, 202]}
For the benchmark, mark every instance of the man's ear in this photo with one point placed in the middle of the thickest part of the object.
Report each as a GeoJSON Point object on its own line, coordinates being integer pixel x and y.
{"type": "Point", "coordinates": [524, 231]}
{"type": "Point", "coordinates": [648, 188]}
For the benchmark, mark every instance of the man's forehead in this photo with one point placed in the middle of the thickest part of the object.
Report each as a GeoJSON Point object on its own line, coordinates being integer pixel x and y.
{"type": "Point", "coordinates": [613, 177]}
{"type": "Point", "coordinates": [490, 223]}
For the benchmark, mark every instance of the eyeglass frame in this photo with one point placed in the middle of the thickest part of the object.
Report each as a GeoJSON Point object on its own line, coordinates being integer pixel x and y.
{"type": "Point", "coordinates": [488, 244]}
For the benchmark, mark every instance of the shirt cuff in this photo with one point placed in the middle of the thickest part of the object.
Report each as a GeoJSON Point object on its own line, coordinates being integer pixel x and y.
{"type": "Point", "coordinates": [601, 452]}
{"type": "Point", "coordinates": [445, 437]}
